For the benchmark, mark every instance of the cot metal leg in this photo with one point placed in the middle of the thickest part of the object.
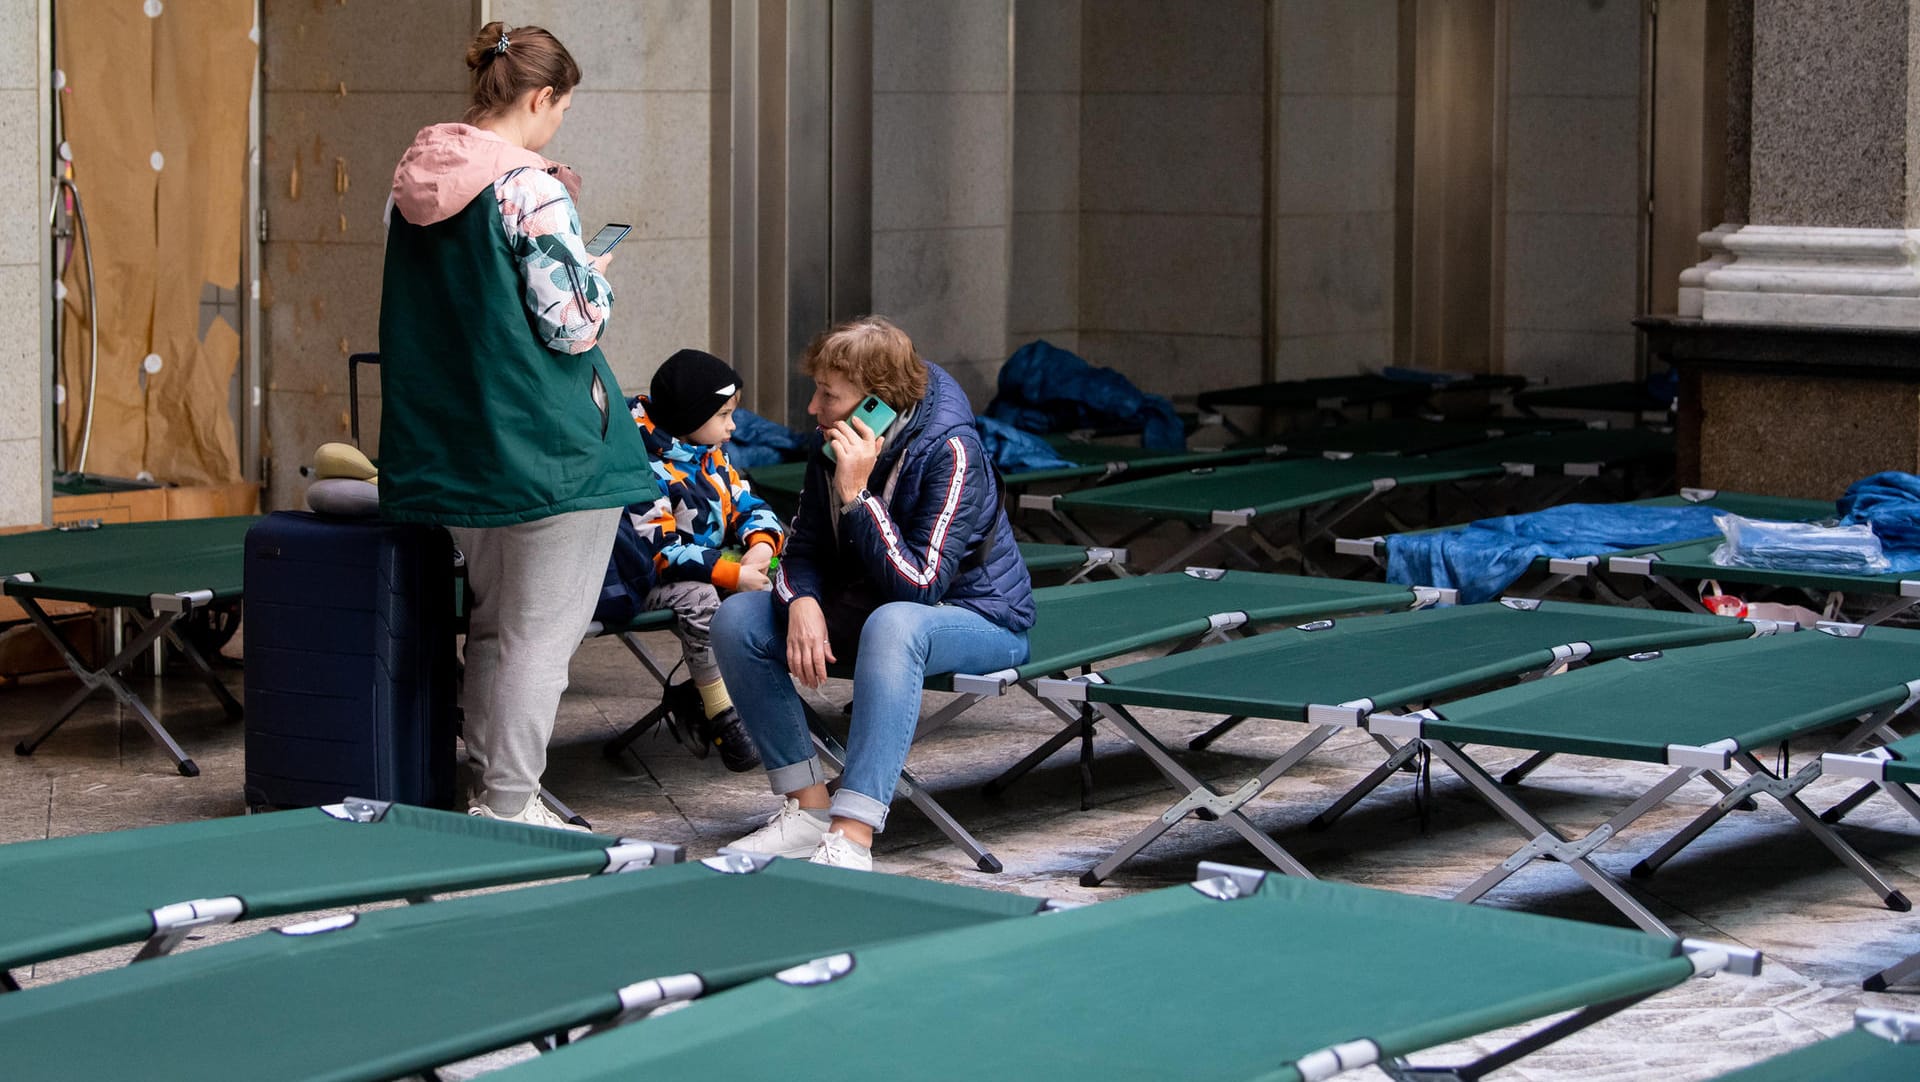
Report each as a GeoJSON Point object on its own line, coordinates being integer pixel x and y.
{"type": "Point", "coordinates": [1531, 763]}
{"type": "Point", "coordinates": [612, 748]}
{"type": "Point", "coordinates": [1398, 758]}
{"type": "Point", "coordinates": [1223, 727]}
{"type": "Point", "coordinates": [1853, 800]}
{"type": "Point", "coordinates": [1889, 610]}
{"type": "Point", "coordinates": [1198, 544]}
{"type": "Point", "coordinates": [1401, 1071]}
{"type": "Point", "coordinates": [910, 787]}
{"type": "Point", "coordinates": [1198, 796]}
{"type": "Point", "coordinates": [1544, 842]}
{"type": "Point", "coordinates": [1784, 791]}
{"type": "Point", "coordinates": [7, 983]}
{"type": "Point", "coordinates": [93, 680]}
{"type": "Point", "coordinates": [1893, 974]}
{"type": "Point", "coordinates": [563, 811]}
{"type": "Point", "coordinates": [207, 675]}
{"type": "Point", "coordinates": [1078, 727]}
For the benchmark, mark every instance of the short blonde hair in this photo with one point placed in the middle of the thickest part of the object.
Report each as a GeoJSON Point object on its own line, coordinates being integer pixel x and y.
{"type": "Point", "coordinates": [873, 355]}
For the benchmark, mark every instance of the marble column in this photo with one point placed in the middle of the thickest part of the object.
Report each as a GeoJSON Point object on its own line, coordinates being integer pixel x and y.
{"type": "Point", "coordinates": [1821, 246]}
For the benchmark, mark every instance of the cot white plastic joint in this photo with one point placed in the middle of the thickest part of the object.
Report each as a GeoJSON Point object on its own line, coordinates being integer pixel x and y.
{"type": "Point", "coordinates": [1871, 766]}
{"type": "Point", "coordinates": [819, 971]}
{"type": "Point", "coordinates": [737, 862]}
{"type": "Point", "coordinates": [1357, 546]}
{"type": "Point", "coordinates": [1888, 1025]}
{"type": "Point", "coordinates": [1341, 1057]}
{"type": "Point", "coordinates": [1698, 495]}
{"type": "Point", "coordinates": [652, 994]}
{"type": "Point", "coordinates": [358, 809]}
{"type": "Point", "coordinates": [1520, 604]}
{"type": "Point", "coordinates": [1066, 691]}
{"type": "Point", "coordinates": [1035, 503]}
{"type": "Point", "coordinates": [1573, 651]}
{"type": "Point", "coordinates": [1715, 756]}
{"type": "Point", "coordinates": [1710, 957]}
{"type": "Point", "coordinates": [1400, 726]}
{"type": "Point", "coordinates": [322, 925]}
{"type": "Point", "coordinates": [195, 914]}
{"type": "Point", "coordinates": [1346, 715]}
{"type": "Point", "coordinates": [1631, 565]}
{"type": "Point", "coordinates": [987, 684]}
{"type": "Point", "coordinates": [631, 856]}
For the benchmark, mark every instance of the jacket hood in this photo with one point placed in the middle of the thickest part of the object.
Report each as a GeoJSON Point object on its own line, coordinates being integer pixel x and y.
{"type": "Point", "coordinates": [449, 164]}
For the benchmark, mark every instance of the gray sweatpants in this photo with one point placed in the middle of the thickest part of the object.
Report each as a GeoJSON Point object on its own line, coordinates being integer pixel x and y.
{"type": "Point", "coordinates": [693, 605]}
{"type": "Point", "coordinates": [534, 588]}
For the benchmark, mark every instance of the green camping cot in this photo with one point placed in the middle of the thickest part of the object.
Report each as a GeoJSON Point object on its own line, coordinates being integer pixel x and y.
{"type": "Point", "coordinates": [1892, 768]}
{"type": "Point", "coordinates": [1627, 396]}
{"type": "Point", "coordinates": [1881, 1045]}
{"type": "Point", "coordinates": [1311, 496]}
{"type": "Point", "coordinates": [1691, 562]}
{"type": "Point", "coordinates": [1239, 975]}
{"type": "Point", "coordinates": [1695, 711]}
{"type": "Point", "coordinates": [393, 992]}
{"type": "Point", "coordinates": [1556, 571]}
{"type": "Point", "coordinates": [158, 573]}
{"type": "Point", "coordinates": [1079, 625]}
{"type": "Point", "coordinates": [91, 891]}
{"type": "Point", "coordinates": [1336, 674]}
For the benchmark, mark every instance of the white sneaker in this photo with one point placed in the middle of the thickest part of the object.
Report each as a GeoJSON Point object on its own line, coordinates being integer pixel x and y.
{"type": "Point", "coordinates": [536, 813]}
{"type": "Point", "coordinates": [835, 851]}
{"type": "Point", "coordinates": [790, 832]}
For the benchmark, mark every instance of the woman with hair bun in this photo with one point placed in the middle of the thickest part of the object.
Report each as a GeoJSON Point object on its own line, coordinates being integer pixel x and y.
{"type": "Point", "coordinates": [496, 420]}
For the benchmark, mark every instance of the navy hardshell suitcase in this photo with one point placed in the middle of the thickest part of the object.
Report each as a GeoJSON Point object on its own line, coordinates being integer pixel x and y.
{"type": "Point", "coordinates": [351, 675]}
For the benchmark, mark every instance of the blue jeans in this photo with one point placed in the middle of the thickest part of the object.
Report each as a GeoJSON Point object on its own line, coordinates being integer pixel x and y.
{"type": "Point", "coordinates": [899, 644]}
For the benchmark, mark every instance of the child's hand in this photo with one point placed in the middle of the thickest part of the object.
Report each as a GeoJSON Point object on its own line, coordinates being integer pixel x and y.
{"type": "Point", "coordinates": [759, 557]}
{"type": "Point", "coordinates": [752, 578]}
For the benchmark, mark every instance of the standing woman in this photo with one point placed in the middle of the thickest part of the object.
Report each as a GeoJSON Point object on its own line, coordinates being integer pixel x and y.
{"type": "Point", "coordinates": [901, 561]}
{"type": "Point", "coordinates": [496, 419]}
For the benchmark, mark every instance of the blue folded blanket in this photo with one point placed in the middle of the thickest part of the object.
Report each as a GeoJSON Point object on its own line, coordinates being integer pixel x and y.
{"type": "Point", "coordinates": [1890, 502]}
{"type": "Point", "coordinates": [1484, 558]}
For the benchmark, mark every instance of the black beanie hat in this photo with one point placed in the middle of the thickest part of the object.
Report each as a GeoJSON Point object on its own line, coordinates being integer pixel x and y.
{"type": "Point", "coordinates": [688, 390]}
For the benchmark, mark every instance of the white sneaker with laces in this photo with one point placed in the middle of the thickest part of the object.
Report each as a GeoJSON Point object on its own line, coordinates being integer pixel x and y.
{"type": "Point", "coordinates": [536, 813]}
{"type": "Point", "coordinates": [835, 851]}
{"type": "Point", "coordinates": [792, 831]}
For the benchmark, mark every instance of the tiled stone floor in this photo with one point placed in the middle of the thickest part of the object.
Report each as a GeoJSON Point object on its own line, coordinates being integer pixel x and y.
{"type": "Point", "coordinates": [1755, 880]}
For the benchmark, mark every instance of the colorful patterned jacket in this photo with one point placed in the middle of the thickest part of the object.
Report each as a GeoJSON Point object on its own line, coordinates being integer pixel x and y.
{"type": "Point", "coordinates": [708, 507]}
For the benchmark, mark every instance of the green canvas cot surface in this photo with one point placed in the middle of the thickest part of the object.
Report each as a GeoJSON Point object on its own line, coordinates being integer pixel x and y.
{"type": "Point", "coordinates": [1163, 985]}
{"type": "Point", "coordinates": [1622, 397]}
{"type": "Point", "coordinates": [1904, 766]}
{"type": "Point", "coordinates": [1089, 622]}
{"type": "Point", "coordinates": [401, 990]}
{"type": "Point", "coordinates": [1410, 437]}
{"type": "Point", "coordinates": [1042, 557]}
{"type": "Point", "coordinates": [1755, 693]}
{"type": "Point", "coordinates": [1396, 659]}
{"type": "Point", "coordinates": [1266, 488]}
{"type": "Point", "coordinates": [1859, 1056]}
{"type": "Point", "coordinates": [1554, 451]}
{"type": "Point", "coordinates": [126, 564]}
{"type": "Point", "coordinates": [66, 895]}
{"type": "Point", "coordinates": [1694, 560]}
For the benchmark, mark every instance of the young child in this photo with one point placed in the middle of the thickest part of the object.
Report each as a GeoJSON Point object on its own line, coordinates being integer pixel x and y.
{"type": "Point", "coordinates": [707, 508]}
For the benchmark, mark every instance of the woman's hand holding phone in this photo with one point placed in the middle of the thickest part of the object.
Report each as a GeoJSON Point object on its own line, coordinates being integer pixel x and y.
{"type": "Point", "coordinates": [855, 449]}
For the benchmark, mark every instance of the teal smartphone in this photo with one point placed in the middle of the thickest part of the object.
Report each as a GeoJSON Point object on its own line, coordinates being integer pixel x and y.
{"type": "Point", "coordinates": [875, 414]}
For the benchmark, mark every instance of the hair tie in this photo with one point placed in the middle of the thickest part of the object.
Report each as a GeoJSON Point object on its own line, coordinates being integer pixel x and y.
{"type": "Point", "coordinates": [500, 47]}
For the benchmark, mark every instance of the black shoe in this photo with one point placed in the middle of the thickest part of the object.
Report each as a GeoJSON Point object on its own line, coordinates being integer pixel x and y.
{"type": "Point", "coordinates": [686, 718]}
{"type": "Point", "coordinates": [726, 732]}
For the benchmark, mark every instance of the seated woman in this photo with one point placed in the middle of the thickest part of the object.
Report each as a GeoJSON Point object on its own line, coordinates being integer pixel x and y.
{"type": "Point", "coordinates": [901, 559]}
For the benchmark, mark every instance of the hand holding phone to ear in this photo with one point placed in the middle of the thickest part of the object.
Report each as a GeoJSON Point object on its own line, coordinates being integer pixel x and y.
{"type": "Point", "coordinates": [855, 449]}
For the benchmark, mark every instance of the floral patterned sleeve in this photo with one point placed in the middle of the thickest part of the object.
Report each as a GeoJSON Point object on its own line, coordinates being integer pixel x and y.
{"type": "Point", "coordinates": [568, 298]}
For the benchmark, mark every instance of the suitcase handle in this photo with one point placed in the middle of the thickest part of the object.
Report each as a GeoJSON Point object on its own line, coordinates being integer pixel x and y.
{"type": "Point", "coordinates": [354, 361]}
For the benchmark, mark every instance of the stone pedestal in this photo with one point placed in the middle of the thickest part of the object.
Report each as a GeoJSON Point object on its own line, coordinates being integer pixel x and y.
{"type": "Point", "coordinates": [1791, 411]}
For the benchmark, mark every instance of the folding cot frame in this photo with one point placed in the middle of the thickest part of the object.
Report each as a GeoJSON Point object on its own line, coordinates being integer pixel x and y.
{"type": "Point", "coordinates": [1882, 1044]}
{"type": "Point", "coordinates": [95, 576]}
{"type": "Point", "coordinates": [1546, 843]}
{"type": "Point", "coordinates": [311, 979]}
{"type": "Point", "coordinates": [1332, 396]}
{"type": "Point", "coordinates": [1200, 799]}
{"type": "Point", "coordinates": [382, 851]}
{"type": "Point", "coordinates": [1198, 950]}
{"type": "Point", "coordinates": [1891, 769]}
{"type": "Point", "coordinates": [974, 688]}
{"type": "Point", "coordinates": [1665, 567]}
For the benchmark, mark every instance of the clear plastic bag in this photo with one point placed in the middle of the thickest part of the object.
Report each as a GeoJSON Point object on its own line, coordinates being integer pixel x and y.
{"type": "Point", "coordinates": [1799, 546]}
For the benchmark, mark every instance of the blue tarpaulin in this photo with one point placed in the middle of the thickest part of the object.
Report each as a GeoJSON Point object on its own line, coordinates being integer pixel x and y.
{"type": "Point", "coordinates": [1014, 451]}
{"type": "Point", "coordinates": [1483, 558]}
{"type": "Point", "coordinates": [759, 442]}
{"type": "Point", "coordinates": [1890, 502]}
{"type": "Point", "coordinates": [1044, 388]}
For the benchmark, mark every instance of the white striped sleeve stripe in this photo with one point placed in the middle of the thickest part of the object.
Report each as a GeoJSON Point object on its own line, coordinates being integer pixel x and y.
{"type": "Point", "coordinates": [780, 584]}
{"type": "Point", "coordinates": [925, 576]}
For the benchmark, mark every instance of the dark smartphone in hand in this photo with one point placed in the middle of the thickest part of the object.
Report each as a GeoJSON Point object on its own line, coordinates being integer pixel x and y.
{"type": "Point", "coordinates": [609, 235]}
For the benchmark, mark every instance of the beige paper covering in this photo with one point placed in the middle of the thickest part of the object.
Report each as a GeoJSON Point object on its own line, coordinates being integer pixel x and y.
{"type": "Point", "coordinates": [178, 84]}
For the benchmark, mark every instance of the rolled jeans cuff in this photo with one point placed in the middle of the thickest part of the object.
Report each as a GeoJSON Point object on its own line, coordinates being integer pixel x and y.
{"type": "Point", "coordinates": [796, 776]}
{"type": "Point", "coordinates": [860, 808]}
